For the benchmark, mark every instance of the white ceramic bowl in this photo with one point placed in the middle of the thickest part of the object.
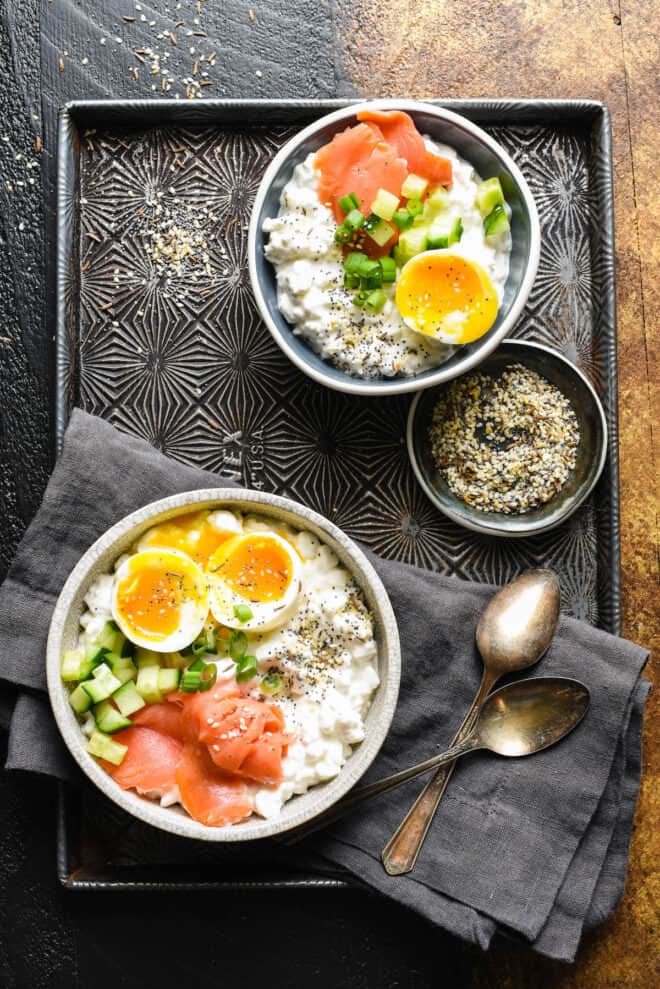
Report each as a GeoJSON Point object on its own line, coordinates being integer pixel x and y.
{"type": "Point", "coordinates": [475, 146]}
{"type": "Point", "coordinates": [100, 558]}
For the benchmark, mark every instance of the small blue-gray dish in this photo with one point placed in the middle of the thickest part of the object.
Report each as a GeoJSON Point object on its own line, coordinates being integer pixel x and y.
{"type": "Point", "coordinates": [591, 452]}
{"type": "Point", "coordinates": [488, 158]}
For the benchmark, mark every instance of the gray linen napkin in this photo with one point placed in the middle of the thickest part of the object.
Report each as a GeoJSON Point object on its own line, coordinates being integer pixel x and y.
{"type": "Point", "coordinates": [531, 848]}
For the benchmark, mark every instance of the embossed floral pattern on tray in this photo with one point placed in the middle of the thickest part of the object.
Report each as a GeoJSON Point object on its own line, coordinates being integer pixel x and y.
{"type": "Point", "coordinates": [205, 383]}
{"type": "Point", "coordinates": [188, 365]}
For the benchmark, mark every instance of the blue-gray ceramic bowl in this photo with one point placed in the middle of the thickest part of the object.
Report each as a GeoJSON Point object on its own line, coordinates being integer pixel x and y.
{"type": "Point", "coordinates": [591, 452]}
{"type": "Point", "coordinates": [472, 144]}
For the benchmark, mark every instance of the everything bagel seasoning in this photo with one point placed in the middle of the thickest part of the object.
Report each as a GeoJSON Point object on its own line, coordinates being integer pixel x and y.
{"type": "Point", "coordinates": [505, 443]}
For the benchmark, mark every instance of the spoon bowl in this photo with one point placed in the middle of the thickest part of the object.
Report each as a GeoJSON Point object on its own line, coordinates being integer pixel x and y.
{"type": "Point", "coordinates": [519, 622]}
{"type": "Point", "coordinates": [530, 715]}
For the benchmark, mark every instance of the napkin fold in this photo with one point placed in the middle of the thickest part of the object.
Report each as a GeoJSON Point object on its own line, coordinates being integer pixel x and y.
{"type": "Point", "coordinates": [533, 849]}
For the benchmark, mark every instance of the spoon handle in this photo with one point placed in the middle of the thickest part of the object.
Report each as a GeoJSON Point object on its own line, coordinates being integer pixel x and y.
{"type": "Point", "coordinates": [370, 790]}
{"type": "Point", "coordinates": [401, 851]}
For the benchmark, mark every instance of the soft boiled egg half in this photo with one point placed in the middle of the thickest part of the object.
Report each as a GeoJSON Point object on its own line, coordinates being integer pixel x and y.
{"type": "Point", "coordinates": [258, 569]}
{"type": "Point", "coordinates": [160, 599]}
{"type": "Point", "coordinates": [446, 297]}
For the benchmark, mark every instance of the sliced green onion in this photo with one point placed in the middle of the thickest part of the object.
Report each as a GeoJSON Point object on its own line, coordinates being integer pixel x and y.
{"type": "Point", "coordinates": [351, 281]}
{"type": "Point", "coordinates": [402, 219]}
{"type": "Point", "coordinates": [375, 300]}
{"type": "Point", "coordinates": [414, 207]}
{"type": "Point", "coordinates": [349, 202]}
{"type": "Point", "coordinates": [243, 612]}
{"type": "Point", "coordinates": [190, 681]}
{"type": "Point", "coordinates": [353, 262]}
{"type": "Point", "coordinates": [354, 220]}
{"type": "Point", "coordinates": [272, 683]}
{"type": "Point", "coordinates": [238, 645]}
{"type": "Point", "coordinates": [388, 269]}
{"type": "Point", "coordinates": [343, 235]}
{"type": "Point", "coordinates": [369, 268]}
{"type": "Point", "coordinates": [360, 298]}
{"type": "Point", "coordinates": [208, 677]}
{"type": "Point", "coordinates": [246, 669]}
{"type": "Point", "coordinates": [373, 281]}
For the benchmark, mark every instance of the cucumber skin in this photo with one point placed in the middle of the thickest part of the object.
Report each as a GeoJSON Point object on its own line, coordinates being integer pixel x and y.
{"type": "Point", "coordinates": [108, 719]}
{"type": "Point", "coordinates": [497, 222]}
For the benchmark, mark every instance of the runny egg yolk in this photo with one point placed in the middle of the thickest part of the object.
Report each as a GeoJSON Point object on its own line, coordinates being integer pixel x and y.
{"type": "Point", "coordinates": [255, 566]}
{"type": "Point", "coordinates": [446, 297]}
{"type": "Point", "coordinates": [191, 534]}
{"type": "Point", "coordinates": [159, 596]}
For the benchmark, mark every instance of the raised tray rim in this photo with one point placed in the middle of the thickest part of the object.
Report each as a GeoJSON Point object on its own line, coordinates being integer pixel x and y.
{"type": "Point", "coordinates": [136, 113]}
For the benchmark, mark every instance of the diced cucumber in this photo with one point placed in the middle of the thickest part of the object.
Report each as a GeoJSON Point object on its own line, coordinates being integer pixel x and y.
{"type": "Point", "coordinates": [379, 230]}
{"type": "Point", "coordinates": [126, 673]}
{"type": "Point", "coordinates": [109, 719]}
{"type": "Point", "coordinates": [385, 204]}
{"type": "Point", "coordinates": [110, 638]}
{"type": "Point", "coordinates": [402, 219]}
{"type": "Point", "coordinates": [123, 667]}
{"type": "Point", "coordinates": [102, 683]}
{"type": "Point", "coordinates": [437, 200]}
{"type": "Point", "coordinates": [411, 243]}
{"type": "Point", "coordinates": [127, 699]}
{"type": "Point", "coordinates": [414, 187]}
{"type": "Point", "coordinates": [80, 700]}
{"type": "Point", "coordinates": [445, 232]}
{"type": "Point", "coordinates": [497, 222]}
{"type": "Point", "coordinates": [489, 195]}
{"type": "Point", "coordinates": [174, 660]}
{"type": "Point", "coordinates": [147, 684]}
{"type": "Point", "coordinates": [388, 269]}
{"type": "Point", "coordinates": [71, 663]}
{"type": "Point", "coordinates": [146, 657]}
{"type": "Point", "coordinates": [103, 747]}
{"type": "Point", "coordinates": [168, 680]}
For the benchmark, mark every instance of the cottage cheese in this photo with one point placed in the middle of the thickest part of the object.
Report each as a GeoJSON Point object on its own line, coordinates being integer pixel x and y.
{"type": "Point", "coordinates": [325, 652]}
{"type": "Point", "coordinates": [310, 277]}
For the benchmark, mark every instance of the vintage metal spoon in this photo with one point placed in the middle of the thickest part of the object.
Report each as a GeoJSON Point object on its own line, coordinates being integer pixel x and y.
{"type": "Point", "coordinates": [514, 632]}
{"type": "Point", "coordinates": [516, 720]}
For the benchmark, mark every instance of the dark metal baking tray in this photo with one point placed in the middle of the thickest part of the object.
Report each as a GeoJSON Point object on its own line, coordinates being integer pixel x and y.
{"type": "Point", "coordinates": [204, 382]}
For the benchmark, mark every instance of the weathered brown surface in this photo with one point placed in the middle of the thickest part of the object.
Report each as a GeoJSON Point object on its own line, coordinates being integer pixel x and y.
{"type": "Point", "coordinates": [585, 49]}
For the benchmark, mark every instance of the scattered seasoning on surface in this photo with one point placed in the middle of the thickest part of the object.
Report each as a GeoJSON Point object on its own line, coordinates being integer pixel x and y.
{"type": "Point", "coordinates": [505, 443]}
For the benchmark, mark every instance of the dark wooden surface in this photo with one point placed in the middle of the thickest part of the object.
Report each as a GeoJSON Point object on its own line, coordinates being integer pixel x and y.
{"type": "Point", "coordinates": [601, 49]}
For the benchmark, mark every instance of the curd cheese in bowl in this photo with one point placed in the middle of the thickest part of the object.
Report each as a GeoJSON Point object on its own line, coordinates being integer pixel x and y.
{"type": "Point", "coordinates": [225, 663]}
{"type": "Point", "coordinates": [378, 206]}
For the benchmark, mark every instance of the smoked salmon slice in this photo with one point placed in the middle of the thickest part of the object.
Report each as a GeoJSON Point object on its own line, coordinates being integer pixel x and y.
{"type": "Point", "coordinates": [209, 796]}
{"type": "Point", "coordinates": [150, 763]}
{"type": "Point", "coordinates": [398, 129]}
{"type": "Point", "coordinates": [358, 160]}
{"type": "Point", "coordinates": [165, 718]}
{"type": "Point", "coordinates": [213, 746]}
{"type": "Point", "coordinates": [244, 736]}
